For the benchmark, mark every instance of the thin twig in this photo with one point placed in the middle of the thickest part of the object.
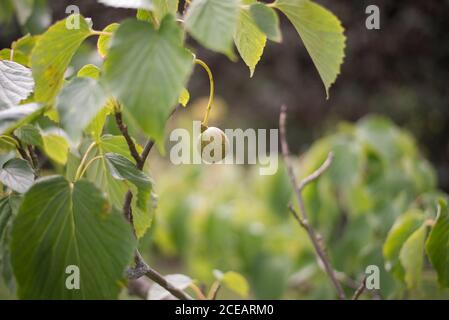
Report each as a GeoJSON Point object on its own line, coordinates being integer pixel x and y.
{"type": "Point", "coordinates": [124, 130]}
{"type": "Point", "coordinates": [34, 158]}
{"type": "Point", "coordinates": [216, 286]}
{"type": "Point", "coordinates": [303, 218]}
{"type": "Point", "coordinates": [317, 173]}
{"type": "Point", "coordinates": [22, 151]}
{"type": "Point", "coordinates": [145, 153]}
{"type": "Point", "coordinates": [360, 289]}
{"type": "Point", "coordinates": [142, 269]}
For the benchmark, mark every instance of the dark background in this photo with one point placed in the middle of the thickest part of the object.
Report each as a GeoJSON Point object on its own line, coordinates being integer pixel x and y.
{"type": "Point", "coordinates": [399, 71]}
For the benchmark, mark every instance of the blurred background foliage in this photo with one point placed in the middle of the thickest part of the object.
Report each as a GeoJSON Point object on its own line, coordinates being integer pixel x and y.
{"type": "Point", "coordinates": [231, 218]}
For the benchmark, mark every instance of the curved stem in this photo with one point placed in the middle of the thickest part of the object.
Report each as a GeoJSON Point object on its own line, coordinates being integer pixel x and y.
{"type": "Point", "coordinates": [9, 140]}
{"type": "Point", "coordinates": [88, 165]}
{"type": "Point", "coordinates": [101, 33]}
{"type": "Point", "coordinates": [212, 89]}
{"type": "Point", "coordinates": [83, 161]}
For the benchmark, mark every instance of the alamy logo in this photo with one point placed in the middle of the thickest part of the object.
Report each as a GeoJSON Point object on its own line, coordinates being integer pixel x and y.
{"type": "Point", "coordinates": [233, 146]}
{"type": "Point", "coordinates": [72, 281]}
{"type": "Point", "coordinates": [373, 20]}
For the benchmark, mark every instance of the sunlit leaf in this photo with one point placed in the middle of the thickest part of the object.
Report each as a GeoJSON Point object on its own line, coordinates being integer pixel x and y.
{"type": "Point", "coordinates": [249, 40]}
{"type": "Point", "coordinates": [52, 54]}
{"type": "Point", "coordinates": [322, 34]}
{"type": "Point", "coordinates": [104, 39]}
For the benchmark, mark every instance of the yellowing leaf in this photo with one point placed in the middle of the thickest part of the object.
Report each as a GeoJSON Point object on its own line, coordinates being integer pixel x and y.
{"type": "Point", "coordinates": [322, 34]}
{"type": "Point", "coordinates": [249, 40]}
{"type": "Point", "coordinates": [52, 54]}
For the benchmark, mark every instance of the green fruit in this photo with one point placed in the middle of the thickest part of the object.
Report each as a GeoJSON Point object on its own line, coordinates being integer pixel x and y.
{"type": "Point", "coordinates": [213, 145]}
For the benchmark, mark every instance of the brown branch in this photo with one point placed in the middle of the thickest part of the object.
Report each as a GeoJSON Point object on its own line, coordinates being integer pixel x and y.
{"type": "Point", "coordinates": [145, 153]}
{"type": "Point", "coordinates": [22, 151]}
{"type": "Point", "coordinates": [142, 269]}
{"type": "Point", "coordinates": [216, 286]}
{"type": "Point", "coordinates": [302, 220]}
{"type": "Point", "coordinates": [124, 130]}
{"type": "Point", "coordinates": [360, 289]}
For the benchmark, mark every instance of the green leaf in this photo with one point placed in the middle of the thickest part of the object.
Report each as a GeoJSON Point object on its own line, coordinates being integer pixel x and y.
{"type": "Point", "coordinates": [25, 44]}
{"type": "Point", "coordinates": [95, 128]}
{"type": "Point", "coordinates": [184, 98]}
{"type": "Point", "coordinates": [8, 209]}
{"type": "Point", "coordinates": [160, 9]}
{"type": "Point", "coordinates": [52, 54]}
{"type": "Point", "coordinates": [104, 40]}
{"type": "Point", "coordinates": [249, 40]}
{"type": "Point", "coordinates": [16, 83]}
{"type": "Point", "coordinates": [78, 104]}
{"type": "Point", "coordinates": [89, 71]}
{"type": "Point", "coordinates": [146, 70]}
{"type": "Point", "coordinates": [56, 147]}
{"type": "Point", "coordinates": [412, 256]}
{"type": "Point", "coordinates": [123, 169]}
{"type": "Point", "coordinates": [402, 229]}
{"type": "Point", "coordinates": [13, 118]}
{"type": "Point", "coordinates": [212, 23]}
{"type": "Point", "coordinates": [100, 173]}
{"type": "Point", "coordinates": [129, 4]}
{"type": "Point", "coordinates": [18, 57]}
{"type": "Point", "coordinates": [30, 135]}
{"type": "Point", "coordinates": [61, 225]}
{"type": "Point", "coordinates": [17, 175]}
{"type": "Point", "coordinates": [233, 281]}
{"type": "Point", "coordinates": [437, 245]}
{"type": "Point", "coordinates": [23, 9]}
{"type": "Point", "coordinates": [321, 33]}
{"type": "Point", "coordinates": [267, 20]}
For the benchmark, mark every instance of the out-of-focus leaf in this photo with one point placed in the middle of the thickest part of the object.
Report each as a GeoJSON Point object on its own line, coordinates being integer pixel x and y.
{"type": "Point", "coordinates": [52, 54]}
{"type": "Point", "coordinates": [17, 175]}
{"type": "Point", "coordinates": [89, 71]}
{"type": "Point", "coordinates": [16, 83]}
{"type": "Point", "coordinates": [8, 209]}
{"type": "Point", "coordinates": [146, 70]}
{"type": "Point", "coordinates": [104, 39]}
{"type": "Point", "coordinates": [412, 256]}
{"type": "Point", "coordinates": [233, 281]}
{"type": "Point", "coordinates": [212, 23]}
{"type": "Point", "coordinates": [403, 228]}
{"type": "Point", "coordinates": [56, 146]}
{"type": "Point", "coordinates": [14, 117]}
{"type": "Point", "coordinates": [78, 103]}
{"type": "Point", "coordinates": [267, 20]}
{"type": "Point", "coordinates": [129, 4]}
{"type": "Point", "coordinates": [321, 33]}
{"type": "Point", "coordinates": [249, 40]}
{"type": "Point", "coordinates": [437, 245]}
{"type": "Point", "coordinates": [30, 135]}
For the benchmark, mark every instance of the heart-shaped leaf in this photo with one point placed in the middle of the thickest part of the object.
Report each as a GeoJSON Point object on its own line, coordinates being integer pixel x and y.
{"type": "Point", "coordinates": [61, 227]}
